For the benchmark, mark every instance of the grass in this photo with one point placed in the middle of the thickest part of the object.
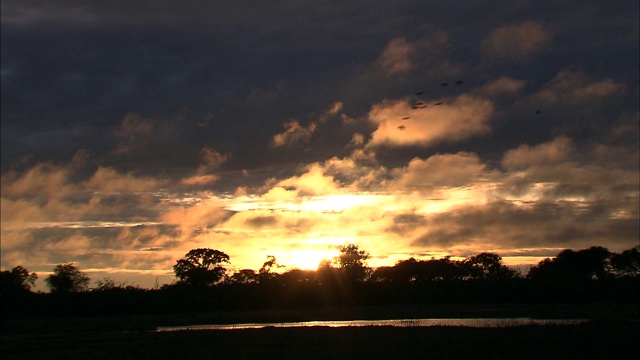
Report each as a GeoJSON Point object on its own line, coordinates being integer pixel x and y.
{"type": "Point", "coordinates": [606, 337]}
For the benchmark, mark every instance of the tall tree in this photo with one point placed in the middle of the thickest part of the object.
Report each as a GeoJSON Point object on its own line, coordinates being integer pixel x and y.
{"type": "Point", "coordinates": [17, 280]}
{"type": "Point", "coordinates": [201, 267]}
{"type": "Point", "coordinates": [353, 262]}
{"type": "Point", "coordinates": [67, 278]}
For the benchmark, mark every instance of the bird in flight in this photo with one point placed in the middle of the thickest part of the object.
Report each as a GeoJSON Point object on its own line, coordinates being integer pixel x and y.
{"type": "Point", "coordinates": [459, 82]}
{"type": "Point", "coordinates": [444, 84]}
{"type": "Point", "coordinates": [439, 103]}
{"type": "Point", "coordinates": [406, 118]}
{"type": "Point", "coordinates": [537, 112]}
{"type": "Point", "coordinates": [401, 127]}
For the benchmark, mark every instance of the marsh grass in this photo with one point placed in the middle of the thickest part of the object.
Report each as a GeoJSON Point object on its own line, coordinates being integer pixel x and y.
{"type": "Point", "coordinates": [612, 333]}
{"type": "Point", "coordinates": [592, 340]}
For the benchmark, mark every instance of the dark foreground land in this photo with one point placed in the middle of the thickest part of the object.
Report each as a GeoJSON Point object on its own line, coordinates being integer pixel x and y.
{"type": "Point", "coordinates": [614, 333]}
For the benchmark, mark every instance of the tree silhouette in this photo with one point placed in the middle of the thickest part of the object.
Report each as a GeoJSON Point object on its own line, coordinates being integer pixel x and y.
{"type": "Point", "coordinates": [244, 276]}
{"type": "Point", "coordinates": [265, 274]}
{"type": "Point", "coordinates": [569, 265]}
{"type": "Point", "coordinates": [488, 266]}
{"type": "Point", "coordinates": [627, 263]}
{"type": "Point", "coordinates": [414, 271]}
{"type": "Point", "coordinates": [17, 280]}
{"type": "Point", "coordinates": [352, 261]}
{"type": "Point", "coordinates": [201, 267]}
{"type": "Point", "coordinates": [67, 278]}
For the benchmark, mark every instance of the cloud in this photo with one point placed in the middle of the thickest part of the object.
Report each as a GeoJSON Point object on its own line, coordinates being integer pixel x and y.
{"type": "Point", "coordinates": [463, 117]}
{"type": "Point", "coordinates": [396, 57]}
{"type": "Point", "coordinates": [577, 87]}
{"type": "Point", "coordinates": [335, 109]}
{"type": "Point", "coordinates": [200, 180]}
{"type": "Point", "coordinates": [503, 85]}
{"type": "Point", "coordinates": [428, 55]}
{"type": "Point", "coordinates": [517, 41]}
{"type": "Point", "coordinates": [195, 218]}
{"type": "Point", "coordinates": [133, 132]}
{"type": "Point", "coordinates": [50, 181]}
{"type": "Point", "coordinates": [261, 221]}
{"type": "Point", "coordinates": [109, 180]}
{"type": "Point", "coordinates": [405, 224]}
{"type": "Point", "coordinates": [211, 160]}
{"type": "Point", "coordinates": [357, 140]}
{"type": "Point", "coordinates": [359, 171]}
{"type": "Point", "coordinates": [43, 179]}
{"type": "Point", "coordinates": [503, 225]}
{"type": "Point", "coordinates": [442, 171]}
{"type": "Point", "coordinates": [558, 150]}
{"type": "Point", "coordinates": [313, 182]}
{"type": "Point", "coordinates": [294, 133]}
{"type": "Point", "coordinates": [559, 170]}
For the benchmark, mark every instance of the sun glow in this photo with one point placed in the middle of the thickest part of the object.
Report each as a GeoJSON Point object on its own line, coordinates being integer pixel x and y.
{"type": "Point", "coordinates": [320, 203]}
{"type": "Point", "coordinates": [307, 259]}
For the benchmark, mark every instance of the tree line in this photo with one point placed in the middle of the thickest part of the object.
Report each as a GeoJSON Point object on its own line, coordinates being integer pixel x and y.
{"type": "Point", "coordinates": [204, 283]}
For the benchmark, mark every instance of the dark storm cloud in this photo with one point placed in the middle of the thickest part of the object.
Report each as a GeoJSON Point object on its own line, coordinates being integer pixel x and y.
{"type": "Point", "coordinates": [72, 70]}
{"type": "Point", "coordinates": [260, 221]}
{"type": "Point", "coordinates": [543, 224]}
{"type": "Point", "coordinates": [404, 223]}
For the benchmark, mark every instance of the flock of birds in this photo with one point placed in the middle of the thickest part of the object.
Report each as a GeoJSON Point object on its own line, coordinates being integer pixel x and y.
{"type": "Point", "coordinates": [421, 104]}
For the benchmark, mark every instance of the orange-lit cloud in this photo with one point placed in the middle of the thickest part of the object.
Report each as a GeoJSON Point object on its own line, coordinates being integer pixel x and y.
{"type": "Point", "coordinates": [454, 120]}
{"type": "Point", "coordinates": [294, 133]}
{"type": "Point", "coordinates": [313, 182]}
{"type": "Point", "coordinates": [200, 216]}
{"type": "Point", "coordinates": [109, 180]}
{"type": "Point", "coordinates": [335, 109]}
{"type": "Point", "coordinates": [442, 170]}
{"type": "Point", "coordinates": [558, 150]}
{"type": "Point", "coordinates": [211, 160]}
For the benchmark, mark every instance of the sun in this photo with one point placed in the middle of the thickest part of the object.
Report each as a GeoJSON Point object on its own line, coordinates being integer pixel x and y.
{"type": "Point", "coordinates": [337, 202]}
{"type": "Point", "coordinates": [306, 259]}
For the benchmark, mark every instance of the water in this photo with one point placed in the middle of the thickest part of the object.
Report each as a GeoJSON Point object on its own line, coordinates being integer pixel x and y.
{"type": "Point", "coordinates": [480, 323]}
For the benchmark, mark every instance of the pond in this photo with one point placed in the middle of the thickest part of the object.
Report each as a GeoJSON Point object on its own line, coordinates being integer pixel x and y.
{"type": "Point", "coordinates": [468, 322]}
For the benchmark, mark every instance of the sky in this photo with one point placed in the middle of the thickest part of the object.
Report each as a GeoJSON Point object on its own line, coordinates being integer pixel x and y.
{"type": "Point", "coordinates": [135, 131]}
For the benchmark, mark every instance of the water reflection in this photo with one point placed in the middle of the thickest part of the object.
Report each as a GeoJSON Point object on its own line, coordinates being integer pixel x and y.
{"type": "Point", "coordinates": [481, 323]}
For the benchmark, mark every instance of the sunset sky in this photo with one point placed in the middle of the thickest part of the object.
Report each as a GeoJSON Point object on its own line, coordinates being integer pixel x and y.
{"type": "Point", "coordinates": [135, 131]}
